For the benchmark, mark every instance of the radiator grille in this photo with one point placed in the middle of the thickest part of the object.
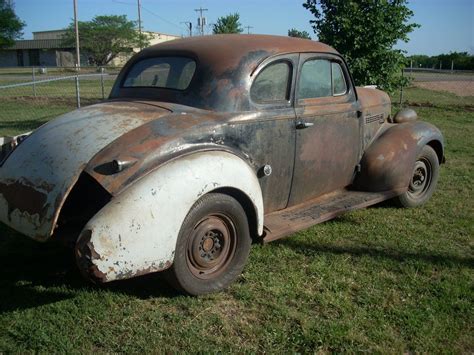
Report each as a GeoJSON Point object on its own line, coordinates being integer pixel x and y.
{"type": "Point", "coordinates": [374, 118]}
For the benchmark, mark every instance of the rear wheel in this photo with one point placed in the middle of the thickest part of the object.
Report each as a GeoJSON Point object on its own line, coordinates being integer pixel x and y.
{"type": "Point", "coordinates": [213, 246]}
{"type": "Point", "coordinates": [423, 180]}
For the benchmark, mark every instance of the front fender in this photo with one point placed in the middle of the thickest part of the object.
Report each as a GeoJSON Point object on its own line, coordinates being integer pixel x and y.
{"type": "Point", "coordinates": [136, 232]}
{"type": "Point", "coordinates": [387, 164]}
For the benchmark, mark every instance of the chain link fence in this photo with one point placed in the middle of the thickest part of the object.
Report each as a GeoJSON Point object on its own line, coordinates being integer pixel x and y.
{"type": "Point", "coordinates": [30, 97]}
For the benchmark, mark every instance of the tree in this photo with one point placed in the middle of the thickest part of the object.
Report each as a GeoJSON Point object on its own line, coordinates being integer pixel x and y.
{"type": "Point", "coordinates": [10, 25]}
{"type": "Point", "coordinates": [228, 24]}
{"type": "Point", "coordinates": [300, 34]}
{"type": "Point", "coordinates": [105, 37]}
{"type": "Point", "coordinates": [365, 32]}
{"type": "Point", "coordinates": [460, 61]}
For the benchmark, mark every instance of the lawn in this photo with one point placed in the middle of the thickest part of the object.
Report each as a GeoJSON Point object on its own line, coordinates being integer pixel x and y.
{"type": "Point", "coordinates": [381, 280]}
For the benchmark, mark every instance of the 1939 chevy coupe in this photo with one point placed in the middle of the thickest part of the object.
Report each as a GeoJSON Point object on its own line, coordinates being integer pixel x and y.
{"type": "Point", "coordinates": [206, 144]}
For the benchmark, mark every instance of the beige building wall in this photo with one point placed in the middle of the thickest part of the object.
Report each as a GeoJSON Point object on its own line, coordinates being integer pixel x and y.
{"type": "Point", "coordinates": [55, 34]}
{"type": "Point", "coordinates": [156, 37]}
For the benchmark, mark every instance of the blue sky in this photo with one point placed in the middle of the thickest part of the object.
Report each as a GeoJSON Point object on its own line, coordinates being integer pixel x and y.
{"type": "Point", "coordinates": [446, 25]}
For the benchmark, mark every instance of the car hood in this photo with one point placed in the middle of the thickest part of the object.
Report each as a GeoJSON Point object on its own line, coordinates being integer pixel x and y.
{"type": "Point", "coordinates": [38, 175]}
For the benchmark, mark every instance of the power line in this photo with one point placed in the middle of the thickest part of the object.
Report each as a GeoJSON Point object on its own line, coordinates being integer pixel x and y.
{"type": "Point", "coordinates": [161, 18]}
{"type": "Point", "coordinates": [149, 11]}
{"type": "Point", "coordinates": [201, 19]}
{"type": "Point", "coordinates": [189, 25]}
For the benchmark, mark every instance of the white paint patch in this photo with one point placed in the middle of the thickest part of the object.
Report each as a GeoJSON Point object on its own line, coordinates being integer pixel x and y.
{"type": "Point", "coordinates": [139, 228]}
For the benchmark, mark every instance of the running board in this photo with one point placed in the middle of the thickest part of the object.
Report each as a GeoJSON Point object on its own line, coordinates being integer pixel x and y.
{"type": "Point", "coordinates": [284, 222]}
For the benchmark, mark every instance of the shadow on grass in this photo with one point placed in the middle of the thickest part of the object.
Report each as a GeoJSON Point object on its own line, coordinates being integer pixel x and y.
{"type": "Point", "coordinates": [34, 274]}
{"type": "Point", "coordinates": [310, 248]}
{"type": "Point", "coordinates": [27, 125]}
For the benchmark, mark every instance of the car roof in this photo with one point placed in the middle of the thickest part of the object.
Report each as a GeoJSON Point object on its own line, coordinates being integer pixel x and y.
{"type": "Point", "coordinates": [225, 64]}
{"type": "Point", "coordinates": [227, 50]}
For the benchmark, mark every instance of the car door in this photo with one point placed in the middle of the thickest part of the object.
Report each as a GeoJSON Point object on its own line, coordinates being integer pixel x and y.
{"type": "Point", "coordinates": [268, 134]}
{"type": "Point", "coordinates": [327, 128]}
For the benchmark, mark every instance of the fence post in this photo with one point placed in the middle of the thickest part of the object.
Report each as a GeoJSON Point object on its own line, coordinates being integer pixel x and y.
{"type": "Point", "coordinates": [102, 82]}
{"type": "Point", "coordinates": [78, 94]}
{"type": "Point", "coordinates": [452, 66]}
{"type": "Point", "coordinates": [34, 79]}
{"type": "Point", "coordinates": [401, 90]}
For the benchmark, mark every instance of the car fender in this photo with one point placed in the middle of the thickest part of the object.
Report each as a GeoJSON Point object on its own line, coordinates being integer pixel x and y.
{"type": "Point", "coordinates": [387, 164]}
{"type": "Point", "coordinates": [137, 231]}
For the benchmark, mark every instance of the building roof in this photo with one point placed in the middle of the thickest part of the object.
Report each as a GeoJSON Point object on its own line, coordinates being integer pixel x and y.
{"type": "Point", "coordinates": [38, 44]}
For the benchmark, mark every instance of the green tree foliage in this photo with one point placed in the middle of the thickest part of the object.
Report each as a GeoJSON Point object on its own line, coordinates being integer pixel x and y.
{"type": "Point", "coordinates": [10, 25]}
{"type": "Point", "coordinates": [105, 37]}
{"type": "Point", "coordinates": [300, 34]}
{"type": "Point", "coordinates": [228, 24]}
{"type": "Point", "coordinates": [461, 61]}
{"type": "Point", "coordinates": [365, 32]}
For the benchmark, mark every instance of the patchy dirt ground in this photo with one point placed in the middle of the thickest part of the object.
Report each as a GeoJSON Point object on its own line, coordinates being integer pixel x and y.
{"type": "Point", "coordinates": [460, 88]}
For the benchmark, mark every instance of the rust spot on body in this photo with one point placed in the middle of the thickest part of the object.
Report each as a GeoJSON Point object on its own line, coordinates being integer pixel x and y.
{"type": "Point", "coordinates": [25, 198]}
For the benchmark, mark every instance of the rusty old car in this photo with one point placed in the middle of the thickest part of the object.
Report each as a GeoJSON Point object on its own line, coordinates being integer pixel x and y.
{"type": "Point", "coordinates": [205, 145]}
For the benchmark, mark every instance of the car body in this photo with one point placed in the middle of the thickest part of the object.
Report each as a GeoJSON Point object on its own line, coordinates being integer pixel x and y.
{"type": "Point", "coordinates": [276, 124]}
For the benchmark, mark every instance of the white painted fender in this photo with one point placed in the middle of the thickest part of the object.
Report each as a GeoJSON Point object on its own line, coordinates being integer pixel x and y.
{"type": "Point", "coordinates": [136, 232]}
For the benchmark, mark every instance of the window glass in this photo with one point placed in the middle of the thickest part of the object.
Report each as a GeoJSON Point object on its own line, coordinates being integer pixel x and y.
{"type": "Point", "coordinates": [315, 79]}
{"type": "Point", "coordinates": [272, 83]}
{"type": "Point", "coordinates": [161, 72]}
{"type": "Point", "coordinates": [338, 80]}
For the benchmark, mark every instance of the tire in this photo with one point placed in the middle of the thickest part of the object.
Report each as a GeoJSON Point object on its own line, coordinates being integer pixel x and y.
{"type": "Point", "coordinates": [212, 247]}
{"type": "Point", "coordinates": [423, 181]}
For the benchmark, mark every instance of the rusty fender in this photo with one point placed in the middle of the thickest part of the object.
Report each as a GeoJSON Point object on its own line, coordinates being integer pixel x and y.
{"type": "Point", "coordinates": [136, 232]}
{"type": "Point", "coordinates": [388, 162]}
{"type": "Point", "coordinates": [39, 173]}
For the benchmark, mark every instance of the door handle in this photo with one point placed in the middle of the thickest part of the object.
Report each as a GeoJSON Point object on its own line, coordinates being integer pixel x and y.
{"type": "Point", "coordinates": [303, 124]}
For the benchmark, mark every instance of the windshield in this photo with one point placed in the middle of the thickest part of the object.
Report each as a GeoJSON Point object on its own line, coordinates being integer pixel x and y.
{"type": "Point", "coordinates": [161, 72]}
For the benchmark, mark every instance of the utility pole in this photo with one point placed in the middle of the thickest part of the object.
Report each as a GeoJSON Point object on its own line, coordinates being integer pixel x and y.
{"type": "Point", "coordinates": [201, 19]}
{"type": "Point", "coordinates": [189, 26]}
{"type": "Point", "coordinates": [140, 21]}
{"type": "Point", "coordinates": [248, 29]}
{"type": "Point", "coordinates": [76, 28]}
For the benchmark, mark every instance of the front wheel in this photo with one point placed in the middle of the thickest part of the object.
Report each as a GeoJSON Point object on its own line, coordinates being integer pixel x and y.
{"type": "Point", "coordinates": [213, 246]}
{"type": "Point", "coordinates": [423, 180]}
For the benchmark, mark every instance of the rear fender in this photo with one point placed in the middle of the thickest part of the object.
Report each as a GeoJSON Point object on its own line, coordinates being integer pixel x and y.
{"type": "Point", "coordinates": [387, 164]}
{"type": "Point", "coordinates": [136, 232]}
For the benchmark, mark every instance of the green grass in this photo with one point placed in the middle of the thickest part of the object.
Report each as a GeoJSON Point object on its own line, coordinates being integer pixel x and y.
{"type": "Point", "coordinates": [381, 280]}
{"type": "Point", "coordinates": [21, 111]}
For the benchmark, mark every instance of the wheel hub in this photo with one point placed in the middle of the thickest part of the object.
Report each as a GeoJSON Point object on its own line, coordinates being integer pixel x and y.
{"type": "Point", "coordinates": [420, 179]}
{"type": "Point", "coordinates": [211, 246]}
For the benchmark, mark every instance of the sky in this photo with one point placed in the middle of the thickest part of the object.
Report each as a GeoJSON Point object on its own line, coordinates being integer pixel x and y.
{"type": "Point", "coordinates": [446, 25]}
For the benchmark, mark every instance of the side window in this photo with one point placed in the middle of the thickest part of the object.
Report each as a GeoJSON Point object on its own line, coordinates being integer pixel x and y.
{"type": "Point", "coordinates": [272, 83]}
{"type": "Point", "coordinates": [315, 79]}
{"type": "Point", "coordinates": [338, 80]}
{"type": "Point", "coordinates": [321, 78]}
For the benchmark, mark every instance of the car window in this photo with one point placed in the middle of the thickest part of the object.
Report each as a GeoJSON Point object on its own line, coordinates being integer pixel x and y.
{"type": "Point", "coordinates": [315, 79]}
{"type": "Point", "coordinates": [272, 83]}
{"type": "Point", "coordinates": [338, 80]}
{"type": "Point", "coordinates": [161, 72]}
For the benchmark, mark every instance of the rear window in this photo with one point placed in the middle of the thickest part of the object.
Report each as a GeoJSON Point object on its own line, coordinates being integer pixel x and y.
{"type": "Point", "coordinates": [161, 72]}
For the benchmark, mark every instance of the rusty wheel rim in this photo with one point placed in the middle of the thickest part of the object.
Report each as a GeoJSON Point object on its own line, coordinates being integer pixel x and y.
{"type": "Point", "coordinates": [211, 246]}
{"type": "Point", "coordinates": [421, 179]}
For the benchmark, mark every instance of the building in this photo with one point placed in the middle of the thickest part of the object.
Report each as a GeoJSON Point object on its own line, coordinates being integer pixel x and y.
{"type": "Point", "coordinates": [47, 49]}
